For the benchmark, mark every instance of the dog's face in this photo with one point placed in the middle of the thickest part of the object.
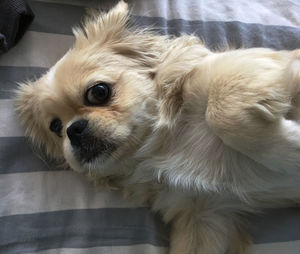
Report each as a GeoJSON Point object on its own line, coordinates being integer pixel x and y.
{"type": "Point", "coordinates": [87, 108]}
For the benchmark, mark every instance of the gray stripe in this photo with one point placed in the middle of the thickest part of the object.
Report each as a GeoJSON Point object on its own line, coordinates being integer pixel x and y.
{"type": "Point", "coordinates": [9, 76]}
{"type": "Point", "coordinates": [17, 155]}
{"type": "Point", "coordinates": [58, 18]}
{"type": "Point", "coordinates": [80, 229]}
{"type": "Point", "coordinates": [276, 225]}
{"type": "Point", "coordinates": [236, 34]}
{"type": "Point", "coordinates": [55, 18]}
{"type": "Point", "coordinates": [290, 247]}
{"type": "Point", "coordinates": [273, 12]}
{"type": "Point", "coordinates": [127, 226]}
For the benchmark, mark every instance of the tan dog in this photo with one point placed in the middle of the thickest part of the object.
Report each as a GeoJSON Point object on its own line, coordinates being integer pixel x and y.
{"type": "Point", "coordinates": [203, 137]}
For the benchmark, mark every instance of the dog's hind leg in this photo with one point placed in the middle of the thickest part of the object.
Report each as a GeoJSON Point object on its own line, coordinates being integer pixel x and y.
{"type": "Point", "coordinates": [207, 232]}
{"type": "Point", "coordinates": [203, 223]}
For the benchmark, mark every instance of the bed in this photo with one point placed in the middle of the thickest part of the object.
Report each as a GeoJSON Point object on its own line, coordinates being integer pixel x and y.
{"type": "Point", "coordinates": [47, 210]}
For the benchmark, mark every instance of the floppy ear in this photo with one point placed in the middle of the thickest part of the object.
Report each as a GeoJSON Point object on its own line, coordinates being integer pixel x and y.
{"type": "Point", "coordinates": [26, 107]}
{"type": "Point", "coordinates": [102, 27]}
{"type": "Point", "coordinates": [29, 98]}
{"type": "Point", "coordinates": [170, 102]}
{"type": "Point", "coordinates": [171, 98]}
{"type": "Point", "coordinates": [174, 72]}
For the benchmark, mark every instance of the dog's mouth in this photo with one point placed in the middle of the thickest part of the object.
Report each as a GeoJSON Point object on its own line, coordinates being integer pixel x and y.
{"type": "Point", "coordinates": [92, 148]}
{"type": "Point", "coordinates": [85, 146]}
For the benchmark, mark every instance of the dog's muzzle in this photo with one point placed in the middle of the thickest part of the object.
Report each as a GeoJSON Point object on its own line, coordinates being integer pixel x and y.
{"type": "Point", "coordinates": [86, 146]}
{"type": "Point", "coordinates": [77, 132]}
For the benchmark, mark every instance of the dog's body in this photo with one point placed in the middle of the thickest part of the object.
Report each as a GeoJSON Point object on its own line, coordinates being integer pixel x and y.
{"type": "Point", "coordinates": [203, 137]}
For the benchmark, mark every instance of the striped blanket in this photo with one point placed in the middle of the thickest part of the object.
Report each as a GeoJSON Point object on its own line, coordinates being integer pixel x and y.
{"type": "Point", "coordinates": [44, 209]}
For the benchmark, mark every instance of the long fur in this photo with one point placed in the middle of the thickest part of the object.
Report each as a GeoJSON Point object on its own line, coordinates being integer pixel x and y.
{"type": "Point", "coordinates": [204, 137]}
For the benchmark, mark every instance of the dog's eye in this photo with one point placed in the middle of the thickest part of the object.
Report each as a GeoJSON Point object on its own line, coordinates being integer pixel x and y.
{"type": "Point", "coordinates": [56, 126]}
{"type": "Point", "coordinates": [98, 94]}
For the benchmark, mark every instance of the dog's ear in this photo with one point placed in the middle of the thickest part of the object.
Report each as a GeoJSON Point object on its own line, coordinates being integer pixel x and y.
{"type": "Point", "coordinates": [102, 27]}
{"type": "Point", "coordinates": [113, 29]}
{"type": "Point", "coordinates": [173, 74]}
{"type": "Point", "coordinates": [26, 106]}
{"type": "Point", "coordinates": [171, 98]}
{"type": "Point", "coordinates": [29, 102]}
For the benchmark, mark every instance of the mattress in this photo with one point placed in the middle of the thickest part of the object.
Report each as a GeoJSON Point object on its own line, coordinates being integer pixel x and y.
{"type": "Point", "coordinates": [45, 209]}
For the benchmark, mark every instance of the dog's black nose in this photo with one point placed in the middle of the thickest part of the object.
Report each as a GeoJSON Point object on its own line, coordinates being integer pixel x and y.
{"type": "Point", "coordinates": [75, 131]}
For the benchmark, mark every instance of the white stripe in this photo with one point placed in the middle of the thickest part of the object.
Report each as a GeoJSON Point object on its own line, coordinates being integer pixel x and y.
{"type": "Point", "coordinates": [25, 193]}
{"type": "Point", "coordinates": [37, 49]}
{"type": "Point", "coordinates": [9, 126]}
{"type": "Point", "coordinates": [267, 12]}
{"type": "Point", "coordinates": [138, 249]}
{"type": "Point", "coordinates": [292, 247]}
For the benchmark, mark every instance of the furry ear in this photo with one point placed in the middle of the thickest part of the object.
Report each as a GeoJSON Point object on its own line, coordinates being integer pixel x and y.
{"type": "Point", "coordinates": [25, 107]}
{"type": "Point", "coordinates": [294, 68]}
{"type": "Point", "coordinates": [102, 27]}
{"type": "Point", "coordinates": [113, 29]}
{"type": "Point", "coordinates": [28, 106]}
{"type": "Point", "coordinates": [170, 101]}
{"type": "Point", "coordinates": [176, 69]}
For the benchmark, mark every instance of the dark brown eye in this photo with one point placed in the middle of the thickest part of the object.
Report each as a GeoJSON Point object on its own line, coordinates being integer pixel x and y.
{"type": "Point", "coordinates": [98, 94]}
{"type": "Point", "coordinates": [56, 126]}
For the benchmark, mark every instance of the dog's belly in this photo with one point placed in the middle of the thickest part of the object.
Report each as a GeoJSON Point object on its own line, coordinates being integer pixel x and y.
{"type": "Point", "coordinates": [198, 160]}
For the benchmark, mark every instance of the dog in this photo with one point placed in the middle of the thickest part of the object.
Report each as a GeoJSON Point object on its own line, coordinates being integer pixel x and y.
{"type": "Point", "coordinates": [204, 137]}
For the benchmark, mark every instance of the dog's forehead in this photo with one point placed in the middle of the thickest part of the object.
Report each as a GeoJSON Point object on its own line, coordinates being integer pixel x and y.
{"type": "Point", "coordinates": [84, 66]}
{"type": "Point", "coordinates": [65, 84]}
{"type": "Point", "coordinates": [70, 68]}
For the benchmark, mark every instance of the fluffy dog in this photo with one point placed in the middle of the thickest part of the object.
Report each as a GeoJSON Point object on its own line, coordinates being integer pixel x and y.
{"type": "Point", "coordinates": [204, 137]}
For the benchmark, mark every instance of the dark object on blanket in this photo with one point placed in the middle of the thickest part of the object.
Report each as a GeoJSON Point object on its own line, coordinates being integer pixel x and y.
{"type": "Point", "coordinates": [15, 17]}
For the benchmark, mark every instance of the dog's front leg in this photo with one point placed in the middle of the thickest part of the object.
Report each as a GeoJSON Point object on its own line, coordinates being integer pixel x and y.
{"type": "Point", "coordinates": [256, 113]}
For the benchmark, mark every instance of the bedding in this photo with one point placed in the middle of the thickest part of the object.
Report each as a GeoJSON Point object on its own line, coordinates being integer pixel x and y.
{"type": "Point", "coordinates": [15, 17]}
{"type": "Point", "coordinates": [45, 209]}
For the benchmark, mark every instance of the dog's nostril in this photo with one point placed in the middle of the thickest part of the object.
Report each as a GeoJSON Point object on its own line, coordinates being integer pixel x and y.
{"type": "Point", "coordinates": [75, 130]}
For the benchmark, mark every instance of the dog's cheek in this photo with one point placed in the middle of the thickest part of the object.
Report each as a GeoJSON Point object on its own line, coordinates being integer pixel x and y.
{"type": "Point", "coordinates": [110, 126]}
{"type": "Point", "coordinates": [70, 158]}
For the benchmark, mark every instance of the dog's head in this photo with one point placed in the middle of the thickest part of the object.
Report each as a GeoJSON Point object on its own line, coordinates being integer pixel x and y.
{"type": "Point", "coordinates": [93, 106]}
{"type": "Point", "coordinates": [96, 105]}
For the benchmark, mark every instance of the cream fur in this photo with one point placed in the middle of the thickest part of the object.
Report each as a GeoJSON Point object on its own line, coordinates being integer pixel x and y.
{"type": "Point", "coordinates": [204, 137]}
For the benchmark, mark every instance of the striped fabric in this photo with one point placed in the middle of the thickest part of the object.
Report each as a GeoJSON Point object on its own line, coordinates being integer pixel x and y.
{"type": "Point", "coordinates": [46, 210]}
